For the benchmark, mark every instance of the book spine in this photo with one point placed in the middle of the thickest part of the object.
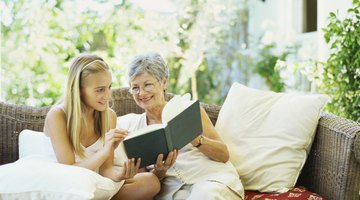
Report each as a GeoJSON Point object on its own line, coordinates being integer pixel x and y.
{"type": "Point", "coordinates": [168, 139]}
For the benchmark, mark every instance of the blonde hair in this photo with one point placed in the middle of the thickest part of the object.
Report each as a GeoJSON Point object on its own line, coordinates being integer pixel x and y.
{"type": "Point", "coordinates": [82, 66]}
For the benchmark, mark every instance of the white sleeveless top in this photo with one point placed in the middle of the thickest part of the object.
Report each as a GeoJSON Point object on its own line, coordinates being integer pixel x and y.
{"type": "Point", "coordinates": [88, 151]}
{"type": "Point", "coordinates": [191, 165]}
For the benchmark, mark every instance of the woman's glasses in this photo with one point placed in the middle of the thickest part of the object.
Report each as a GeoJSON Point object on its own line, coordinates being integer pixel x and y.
{"type": "Point", "coordinates": [148, 87]}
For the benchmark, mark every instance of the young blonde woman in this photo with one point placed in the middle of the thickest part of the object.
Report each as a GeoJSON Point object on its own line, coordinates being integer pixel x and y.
{"type": "Point", "coordinates": [82, 129]}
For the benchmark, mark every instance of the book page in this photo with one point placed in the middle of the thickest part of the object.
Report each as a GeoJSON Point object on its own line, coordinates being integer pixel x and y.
{"type": "Point", "coordinates": [144, 130]}
{"type": "Point", "coordinates": [175, 106]}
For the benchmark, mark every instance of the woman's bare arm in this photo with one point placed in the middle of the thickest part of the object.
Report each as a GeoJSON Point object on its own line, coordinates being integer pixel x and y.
{"type": "Point", "coordinates": [55, 128]}
{"type": "Point", "coordinates": [213, 147]}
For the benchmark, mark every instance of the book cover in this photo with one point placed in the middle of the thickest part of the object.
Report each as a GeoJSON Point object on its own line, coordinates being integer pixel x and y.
{"type": "Point", "coordinates": [181, 124]}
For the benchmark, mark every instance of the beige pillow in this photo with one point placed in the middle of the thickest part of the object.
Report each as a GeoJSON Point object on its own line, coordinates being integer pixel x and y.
{"type": "Point", "coordinates": [268, 135]}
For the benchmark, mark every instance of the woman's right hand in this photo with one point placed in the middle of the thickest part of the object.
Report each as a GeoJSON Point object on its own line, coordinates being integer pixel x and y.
{"type": "Point", "coordinates": [161, 167]}
{"type": "Point", "coordinates": [114, 137]}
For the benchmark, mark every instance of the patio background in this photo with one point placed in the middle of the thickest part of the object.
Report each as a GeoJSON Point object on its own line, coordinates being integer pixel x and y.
{"type": "Point", "coordinates": [266, 44]}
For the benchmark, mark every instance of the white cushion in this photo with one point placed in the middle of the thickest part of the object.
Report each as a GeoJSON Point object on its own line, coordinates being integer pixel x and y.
{"type": "Point", "coordinates": [31, 143]}
{"type": "Point", "coordinates": [35, 143]}
{"type": "Point", "coordinates": [268, 135]}
{"type": "Point", "coordinates": [34, 177]}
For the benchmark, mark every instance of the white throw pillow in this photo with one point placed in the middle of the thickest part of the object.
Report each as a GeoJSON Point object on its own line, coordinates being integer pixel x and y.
{"type": "Point", "coordinates": [35, 143]}
{"type": "Point", "coordinates": [34, 177]}
{"type": "Point", "coordinates": [31, 143]}
{"type": "Point", "coordinates": [268, 135]}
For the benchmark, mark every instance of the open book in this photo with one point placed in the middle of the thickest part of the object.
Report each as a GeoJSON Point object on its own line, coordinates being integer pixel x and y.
{"type": "Point", "coordinates": [181, 124]}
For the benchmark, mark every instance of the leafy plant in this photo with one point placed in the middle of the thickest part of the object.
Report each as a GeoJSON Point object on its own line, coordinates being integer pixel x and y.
{"type": "Point", "coordinates": [265, 67]}
{"type": "Point", "coordinates": [341, 78]}
{"type": "Point", "coordinates": [38, 39]}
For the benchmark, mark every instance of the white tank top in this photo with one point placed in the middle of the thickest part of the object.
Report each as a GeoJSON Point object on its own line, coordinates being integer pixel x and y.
{"type": "Point", "coordinates": [89, 151]}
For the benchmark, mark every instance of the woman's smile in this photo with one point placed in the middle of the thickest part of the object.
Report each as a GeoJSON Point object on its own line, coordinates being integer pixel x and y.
{"type": "Point", "coordinates": [145, 99]}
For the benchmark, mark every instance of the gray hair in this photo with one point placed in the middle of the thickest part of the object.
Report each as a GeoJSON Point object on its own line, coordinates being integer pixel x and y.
{"type": "Point", "coordinates": [151, 63]}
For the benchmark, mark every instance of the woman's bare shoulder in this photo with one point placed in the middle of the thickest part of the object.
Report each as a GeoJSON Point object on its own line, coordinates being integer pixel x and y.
{"type": "Point", "coordinates": [55, 118]}
{"type": "Point", "coordinates": [56, 111]}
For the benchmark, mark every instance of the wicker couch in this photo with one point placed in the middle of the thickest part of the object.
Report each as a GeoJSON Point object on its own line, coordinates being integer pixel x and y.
{"type": "Point", "coordinates": [332, 168]}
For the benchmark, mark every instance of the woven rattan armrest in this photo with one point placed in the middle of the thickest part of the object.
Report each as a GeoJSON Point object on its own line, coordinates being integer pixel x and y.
{"type": "Point", "coordinates": [333, 166]}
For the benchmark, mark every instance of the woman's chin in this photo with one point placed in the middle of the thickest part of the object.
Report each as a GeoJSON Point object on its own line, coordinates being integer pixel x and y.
{"type": "Point", "coordinates": [101, 107]}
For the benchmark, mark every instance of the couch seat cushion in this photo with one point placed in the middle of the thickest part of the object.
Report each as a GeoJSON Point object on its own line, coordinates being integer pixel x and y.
{"type": "Point", "coordinates": [297, 193]}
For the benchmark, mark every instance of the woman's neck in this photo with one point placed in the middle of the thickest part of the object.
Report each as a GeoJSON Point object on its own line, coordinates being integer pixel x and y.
{"type": "Point", "coordinates": [153, 115]}
{"type": "Point", "coordinates": [88, 113]}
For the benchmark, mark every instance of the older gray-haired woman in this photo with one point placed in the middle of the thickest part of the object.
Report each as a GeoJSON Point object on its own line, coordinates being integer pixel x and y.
{"type": "Point", "coordinates": [202, 169]}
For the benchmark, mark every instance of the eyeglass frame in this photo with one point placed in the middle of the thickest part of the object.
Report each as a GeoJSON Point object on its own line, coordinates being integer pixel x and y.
{"type": "Point", "coordinates": [151, 87]}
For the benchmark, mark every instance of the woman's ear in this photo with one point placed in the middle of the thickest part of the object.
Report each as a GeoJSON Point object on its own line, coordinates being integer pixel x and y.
{"type": "Point", "coordinates": [164, 84]}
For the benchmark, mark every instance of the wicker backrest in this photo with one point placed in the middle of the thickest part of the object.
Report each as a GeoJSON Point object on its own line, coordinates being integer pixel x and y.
{"type": "Point", "coordinates": [14, 119]}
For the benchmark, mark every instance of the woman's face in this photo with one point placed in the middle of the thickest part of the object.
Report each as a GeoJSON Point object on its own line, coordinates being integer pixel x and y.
{"type": "Point", "coordinates": [147, 91]}
{"type": "Point", "coordinates": [96, 92]}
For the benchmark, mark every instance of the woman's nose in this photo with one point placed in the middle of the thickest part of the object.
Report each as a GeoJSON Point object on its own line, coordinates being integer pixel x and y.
{"type": "Point", "coordinates": [141, 91]}
{"type": "Point", "coordinates": [107, 95]}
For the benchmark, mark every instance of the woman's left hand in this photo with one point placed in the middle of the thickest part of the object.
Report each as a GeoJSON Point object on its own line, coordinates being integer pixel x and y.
{"type": "Point", "coordinates": [161, 166]}
{"type": "Point", "coordinates": [130, 168]}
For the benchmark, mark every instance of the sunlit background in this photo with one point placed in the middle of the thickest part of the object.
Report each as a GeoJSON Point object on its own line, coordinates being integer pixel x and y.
{"type": "Point", "coordinates": [266, 44]}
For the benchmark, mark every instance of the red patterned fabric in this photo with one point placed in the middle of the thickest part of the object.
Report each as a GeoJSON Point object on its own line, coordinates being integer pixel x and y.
{"type": "Point", "coordinates": [298, 193]}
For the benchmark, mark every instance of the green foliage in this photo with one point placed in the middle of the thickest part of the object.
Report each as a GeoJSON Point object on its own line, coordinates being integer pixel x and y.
{"type": "Point", "coordinates": [176, 60]}
{"type": "Point", "coordinates": [209, 37]}
{"type": "Point", "coordinates": [265, 67]}
{"type": "Point", "coordinates": [342, 69]}
{"type": "Point", "coordinates": [223, 32]}
{"type": "Point", "coordinates": [39, 38]}
{"type": "Point", "coordinates": [205, 38]}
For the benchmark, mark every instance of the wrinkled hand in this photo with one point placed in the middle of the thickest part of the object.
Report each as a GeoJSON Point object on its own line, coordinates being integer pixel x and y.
{"type": "Point", "coordinates": [195, 141]}
{"type": "Point", "coordinates": [114, 137]}
{"type": "Point", "coordinates": [161, 166]}
{"type": "Point", "coordinates": [130, 168]}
